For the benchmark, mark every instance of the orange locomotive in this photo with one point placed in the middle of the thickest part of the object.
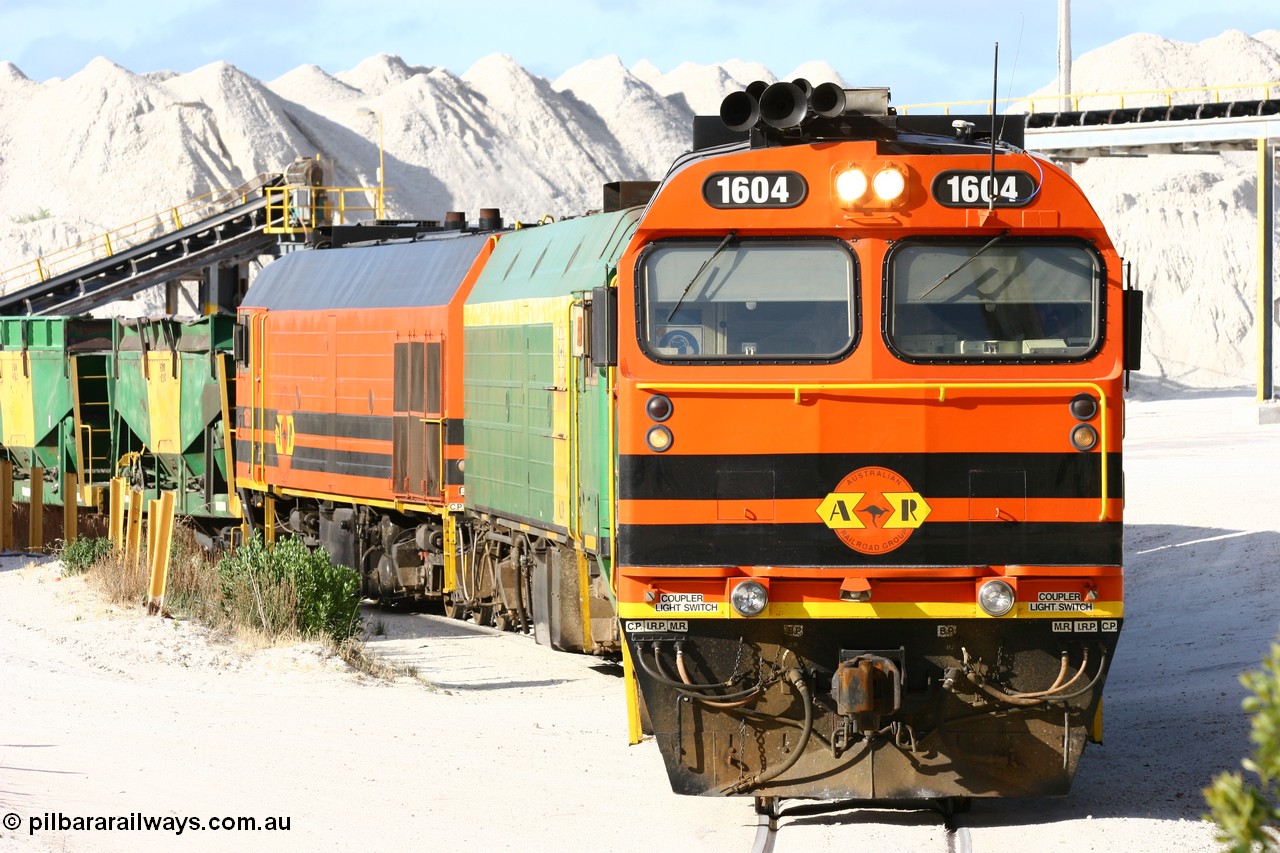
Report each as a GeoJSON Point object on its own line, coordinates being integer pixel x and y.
{"type": "Point", "coordinates": [869, 420]}
{"type": "Point", "coordinates": [349, 408]}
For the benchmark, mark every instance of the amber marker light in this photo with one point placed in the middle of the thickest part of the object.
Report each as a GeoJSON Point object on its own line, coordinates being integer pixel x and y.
{"type": "Point", "coordinates": [1083, 437]}
{"type": "Point", "coordinates": [658, 438]}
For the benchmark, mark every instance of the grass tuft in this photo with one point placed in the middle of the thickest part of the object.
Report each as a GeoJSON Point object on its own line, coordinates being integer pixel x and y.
{"type": "Point", "coordinates": [261, 596]}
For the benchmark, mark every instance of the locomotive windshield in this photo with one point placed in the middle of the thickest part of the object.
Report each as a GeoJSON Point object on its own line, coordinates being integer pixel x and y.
{"type": "Point", "coordinates": [765, 300]}
{"type": "Point", "coordinates": [1009, 300]}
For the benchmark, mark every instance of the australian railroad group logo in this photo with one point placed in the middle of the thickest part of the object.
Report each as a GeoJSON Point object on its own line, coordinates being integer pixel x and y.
{"type": "Point", "coordinates": [284, 434]}
{"type": "Point", "coordinates": [873, 510]}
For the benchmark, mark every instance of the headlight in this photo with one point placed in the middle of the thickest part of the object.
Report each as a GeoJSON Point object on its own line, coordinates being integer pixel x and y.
{"type": "Point", "coordinates": [996, 598]}
{"type": "Point", "coordinates": [749, 598]}
{"type": "Point", "coordinates": [889, 184]}
{"type": "Point", "coordinates": [851, 185]}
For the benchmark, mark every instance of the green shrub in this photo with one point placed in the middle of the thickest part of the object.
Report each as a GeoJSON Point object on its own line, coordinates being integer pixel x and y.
{"type": "Point", "coordinates": [79, 555]}
{"type": "Point", "coordinates": [27, 218]}
{"type": "Point", "coordinates": [289, 587]}
{"type": "Point", "coordinates": [1245, 813]}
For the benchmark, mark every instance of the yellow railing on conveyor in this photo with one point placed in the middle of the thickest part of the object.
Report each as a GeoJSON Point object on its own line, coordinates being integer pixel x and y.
{"type": "Point", "coordinates": [284, 211]}
{"type": "Point", "coordinates": [297, 209]}
{"type": "Point", "coordinates": [110, 242]}
{"type": "Point", "coordinates": [1113, 100]}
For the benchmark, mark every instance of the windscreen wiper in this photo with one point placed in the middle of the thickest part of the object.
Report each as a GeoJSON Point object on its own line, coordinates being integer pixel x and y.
{"type": "Point", "coordinates": [727, 239]}
{"type": "Point", "coordinates": [964, 263]}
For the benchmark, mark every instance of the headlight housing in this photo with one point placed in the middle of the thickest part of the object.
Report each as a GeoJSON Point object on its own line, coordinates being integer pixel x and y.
{"type": "Point", "coordinates": [889, 183]}
{"type": "Point", "coordinates": [850, 185]}
{"type": "Point", "coordinates": [749, 598]}
{"type": "Point", "coordinates": [996, 597]}
{"type": "Point", "coordinates": [870, 186]}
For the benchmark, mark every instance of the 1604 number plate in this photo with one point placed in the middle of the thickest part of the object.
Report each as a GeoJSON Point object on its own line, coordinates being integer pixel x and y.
{"type": "Point", "coordinates": [963, 188]}
{"type": "Point", "coordinates": [754, 189]}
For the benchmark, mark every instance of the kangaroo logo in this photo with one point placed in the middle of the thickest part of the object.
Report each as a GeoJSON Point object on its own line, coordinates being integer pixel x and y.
{"type": "Point", "coordinates": [873, 510]}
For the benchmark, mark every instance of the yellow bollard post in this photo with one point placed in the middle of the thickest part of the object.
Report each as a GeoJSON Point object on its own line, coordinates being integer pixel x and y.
{"type": "Point", "coordinates": [268, 521]}
{"type": "Point", "coordinates": [70, 507]}
{"type": "Point", "coordinates": [6, 506]}
{"type": "Point", "coordinates": [153, 508]}
{"type": "Point", "coordinates": [119, 507]}
{"type": "Point", "coordinates": [161, 539]}
{"type": "Point", "coordinates": [134, 533]}
{"type": "Point", "coordinates": [35, 520]}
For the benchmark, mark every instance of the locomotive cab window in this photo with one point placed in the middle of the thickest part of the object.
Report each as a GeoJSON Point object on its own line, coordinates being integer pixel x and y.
{"type": "Point", "coordinates": [994, 300]}
{"type": "Point", "coordinates": [752, 300]}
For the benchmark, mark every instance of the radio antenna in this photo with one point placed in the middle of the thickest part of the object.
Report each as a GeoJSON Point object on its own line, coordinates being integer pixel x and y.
{"type": "Point", "coordinates": [995, 82]}
{"type": "Point", "coordinates": [1017, 51]}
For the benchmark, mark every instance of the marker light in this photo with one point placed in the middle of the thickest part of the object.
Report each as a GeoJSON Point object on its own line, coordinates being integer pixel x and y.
{"type": "Point", "coordinates": [659, 407]}
{"type": "Point", "coordinates": [1083, 407]}
{"type": "Point", "coordinates": [1083, 437]}
{"type": "Point", "coordinates": [658, 438]}
{"type": "Point", "coordinates": [889, 183]}
{"type": "Point", "coordinates": [851, 185]}
{"type": "Point", "coordinates": [749, 598]}
{"type": "Point", "coordinates": [996, 598]}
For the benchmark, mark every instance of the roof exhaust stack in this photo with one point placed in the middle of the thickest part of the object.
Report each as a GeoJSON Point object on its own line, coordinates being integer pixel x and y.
{"type": "Point", "coordinates": [783, 105]}
{"type": "Point", "coordinates": [827, 100]}
{"type": "Point", "coordinates": [739, 111]}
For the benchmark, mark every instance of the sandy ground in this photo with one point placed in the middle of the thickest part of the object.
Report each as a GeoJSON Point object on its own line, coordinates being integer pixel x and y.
{"type": "Point", "coordinates": [501, 745]}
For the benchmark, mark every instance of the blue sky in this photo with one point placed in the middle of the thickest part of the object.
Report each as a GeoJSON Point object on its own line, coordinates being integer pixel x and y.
{"type": "Point", "coordinates": [924, 50]}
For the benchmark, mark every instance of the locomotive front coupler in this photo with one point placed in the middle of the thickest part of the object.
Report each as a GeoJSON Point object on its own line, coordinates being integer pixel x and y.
{"type": "Point", "coordinates": [867, 685]}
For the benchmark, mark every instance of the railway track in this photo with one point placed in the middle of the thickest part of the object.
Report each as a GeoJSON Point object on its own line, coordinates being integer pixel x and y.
{"type": "Point", "coordinates": [769, 811]}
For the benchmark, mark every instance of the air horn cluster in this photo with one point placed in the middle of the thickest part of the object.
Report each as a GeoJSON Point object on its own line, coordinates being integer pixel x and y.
{"type": "Point", "coordinates": [785, 105]}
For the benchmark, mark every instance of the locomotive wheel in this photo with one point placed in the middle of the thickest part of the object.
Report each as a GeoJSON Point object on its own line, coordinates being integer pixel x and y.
{"type": "Point", "coordinates": [482, 614]}
{"type": "Point", "coordinates": [454, 609]}
{"type": "Point", "coordinates": [504, 620]}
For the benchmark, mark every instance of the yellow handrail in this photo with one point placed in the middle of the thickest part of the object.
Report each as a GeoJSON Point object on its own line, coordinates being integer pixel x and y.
{"type": "Point", "coordinates": [797, 388]}
{"type": "Point", "coordinates": [291, 209]}
{"type": "Point", "coordinates": [298, 208]}
{"type": "Point", "coordinates": [1076, 98]}
{"type": "Point", "coordinates": [106, 244]}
